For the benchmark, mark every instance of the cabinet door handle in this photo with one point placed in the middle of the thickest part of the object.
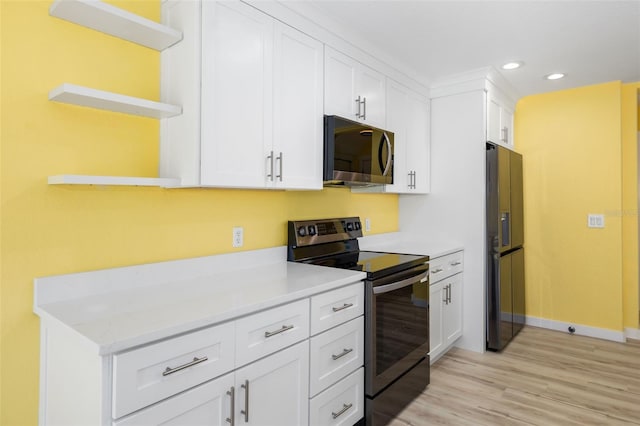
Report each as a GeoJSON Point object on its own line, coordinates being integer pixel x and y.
{"type": "Point", "coordinates": [232, 417]}
{"type": "Point", "coordinates": [345, 306]}
{"type": "Point", "coordinates": [449, 294]}
{"type": "Point", "coordinates": [195, 361]}
{"type": "Point", "coordinates": [341, 354]}
{"type": "Point", "coordinates": [245, 386]}
{"type": "Point", "coordinates": [345, 407]}
{"type": "Point", "coordinates": [364, 109]}
{"type": "Point", "coordinates": [358, 103]}
{"type": "Point", "coordinates": [505, 134]}
{"type": "Point", "coordinates": [455, 263]}
{"type": "Point", "coordinates": [280, 159]}
{"type": "Point", "coordinates": [270, 158]}
{"type": "Point", "coordinates": [437, 271]}
{"type": "Point", "coordinates": [282, 330]}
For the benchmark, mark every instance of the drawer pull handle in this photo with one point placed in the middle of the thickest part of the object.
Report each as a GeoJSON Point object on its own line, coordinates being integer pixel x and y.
{"type": "Point", "coordinates": [345, 306]}
{"type": "Point", "coordinates": [455, 263]}
{"type": "Point", "coordinates": [340, 355]}
{"type": "Point", "coordinates": [195, 361]}
{"type": "Point", "coordinates": [435, 271]}
{"type": "Point", "coordinates": [245, 412]}
{"type": "Point", "coordinates": [232, 416]}
{"type": "Point", "coordinates": [345, 407]}
{"type": "Point", "coordinates": [282, 330]}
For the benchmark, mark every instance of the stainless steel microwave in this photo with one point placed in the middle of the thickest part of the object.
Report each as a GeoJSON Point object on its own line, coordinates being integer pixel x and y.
{"type": "Point", "coordinates": [356, 154]}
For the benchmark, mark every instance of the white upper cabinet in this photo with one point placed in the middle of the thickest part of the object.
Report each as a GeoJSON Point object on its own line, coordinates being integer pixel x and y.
{"type": "Point", "coordinates": [353, 90]}
{"type": "Point", "coordinates": [298, 126]}
{"type": "Point", "coordinates": [408, 118]}
{"type": "Point", "coordinates": [256, 119]}
{"type": "Point", "coordinates": [499, 119]}
{"type": "Point", "coordinates": [237, 112]}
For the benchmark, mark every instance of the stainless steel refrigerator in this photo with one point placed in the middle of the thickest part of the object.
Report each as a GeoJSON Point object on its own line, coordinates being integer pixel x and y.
{"type": "Point", "coordinates": [505, 246]}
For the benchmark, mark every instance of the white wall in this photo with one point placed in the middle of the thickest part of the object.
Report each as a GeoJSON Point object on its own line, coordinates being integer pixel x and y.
{"type": "Point", "coordinates": [455, 209]}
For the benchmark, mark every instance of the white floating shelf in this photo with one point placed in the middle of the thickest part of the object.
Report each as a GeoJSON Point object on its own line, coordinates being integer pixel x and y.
{"type": "Point", "coordinates": [113, 180]}
{"type": "Point", "coordinates": [117, 22]}
{"type": "Point", "coordinates": [85, 96]}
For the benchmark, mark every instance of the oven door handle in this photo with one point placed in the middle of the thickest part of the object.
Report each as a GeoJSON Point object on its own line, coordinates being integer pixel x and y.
{"type": "Point", "coordinates": [422, 277]}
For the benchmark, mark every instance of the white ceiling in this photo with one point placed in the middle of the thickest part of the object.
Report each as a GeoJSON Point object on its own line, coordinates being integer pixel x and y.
{"type": "Point", "coordinates": [591, 41]}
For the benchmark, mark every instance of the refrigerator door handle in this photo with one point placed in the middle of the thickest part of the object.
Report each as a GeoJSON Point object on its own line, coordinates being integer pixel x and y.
{"type": "Point", "coordinates": [505, 224]}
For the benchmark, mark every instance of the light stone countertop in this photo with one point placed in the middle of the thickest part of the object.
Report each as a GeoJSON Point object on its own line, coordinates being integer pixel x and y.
{"type": "Point", "coordinates": [399, 242]}
{"type": "Point", "coordinates": [120, 308]}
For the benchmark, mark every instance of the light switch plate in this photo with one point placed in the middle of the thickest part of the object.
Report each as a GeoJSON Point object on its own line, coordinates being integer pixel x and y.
{"type": "Point", "coordinates": [595, 220]}
{"type": "Point", "coordinates": [367, 225]}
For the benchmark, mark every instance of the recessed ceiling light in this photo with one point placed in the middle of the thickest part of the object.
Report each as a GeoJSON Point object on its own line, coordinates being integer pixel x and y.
{"type": "Point", "coordinates": [512, 65]}
{"type": "Point", "coordinates": [554, 76]}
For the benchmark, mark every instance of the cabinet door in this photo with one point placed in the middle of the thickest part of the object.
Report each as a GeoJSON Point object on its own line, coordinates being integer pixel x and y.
{"type": "Point", "coordinates": [436, 302]}
{"type": "Point", "coordinates": [396, 122]}
{"type": "Point", "coordinates": [493, 119]}
{"type": "Point", "coordinates": [237, 111]}
{"type": "Point", "coordinates": [275, 389]}
{"type": "Point", "coordinates": [418, 144]}
{"type": "Point", "coordinates": [298, 126]}
{"type": "Point", "coordinates": [340, 85]}
{"type": "Point", "coordinates": [452, 316]}
{"type": "Point", "coordinates": [506, 126]}
{"type": "Point", "coordinates": [499, 119]}
{"type": "Point", "coordinates": [208, 404]}
{"type": "Point", "coordinates": [407, 116]}
{"type": "Point", "coordinates": [370, 86]}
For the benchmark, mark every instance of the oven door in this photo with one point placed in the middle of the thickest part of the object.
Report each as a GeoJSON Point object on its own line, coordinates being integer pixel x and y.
{"type": "Point", "coordinates": [397, 326]}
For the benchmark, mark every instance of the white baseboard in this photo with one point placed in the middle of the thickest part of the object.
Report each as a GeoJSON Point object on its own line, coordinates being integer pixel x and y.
{"type": "Point", "coordinates": [582, 330]}
{"type": "Point", "coordinates": [632, 333]}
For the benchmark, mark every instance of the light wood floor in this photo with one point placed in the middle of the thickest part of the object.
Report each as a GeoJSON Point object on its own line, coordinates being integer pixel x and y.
{"type": "Point", "coordinates": [543, 377]}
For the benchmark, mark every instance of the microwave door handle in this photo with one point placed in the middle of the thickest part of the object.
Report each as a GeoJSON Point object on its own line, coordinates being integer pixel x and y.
{"type": "Point", "coordinates": [389, 155]}
{"type": "Point", "coordinates": [400, 284]}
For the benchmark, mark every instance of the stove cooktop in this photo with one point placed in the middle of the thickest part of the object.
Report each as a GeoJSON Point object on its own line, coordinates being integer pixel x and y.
{"type": "Point", "coordinates": [334, 243]}
{"type": "Point", "coordinates": [374, 263]}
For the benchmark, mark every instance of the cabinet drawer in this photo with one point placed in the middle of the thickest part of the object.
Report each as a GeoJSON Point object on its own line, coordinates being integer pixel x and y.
{"type": "Point", "coordinates": [336, 353]}
{"type": "Point", "coordinates": [337, 306]}
{"type": "Point", "coordinates": [151, 373]}
{"type": "Point", "coordinates": [445, 266]}
{"type": "Point", "coordinates": [341, 404]}
{"type": "Point", "coordinates": [269, 331]}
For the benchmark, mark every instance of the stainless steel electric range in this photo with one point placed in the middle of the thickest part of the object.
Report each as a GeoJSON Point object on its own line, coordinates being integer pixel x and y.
{"type": "Point", "coordinates": [396, 309]}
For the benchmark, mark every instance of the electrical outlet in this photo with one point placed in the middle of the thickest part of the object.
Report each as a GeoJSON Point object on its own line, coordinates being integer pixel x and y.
{"type": "Point", "coordinates": [238, 236]}
{"type": "Point", "coordinates": [367, 225]}
{"type": "Point", "coordinates": [595, 220]}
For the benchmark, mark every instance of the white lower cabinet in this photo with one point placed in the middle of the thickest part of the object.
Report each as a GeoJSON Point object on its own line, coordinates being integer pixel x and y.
{"type": "Point", "coordinates": [341, 404]}
{"type": "Point", "coordinates": [336, 353]}
{"type": "Point", "coordinates": [271, 391]}
{"type": "Point", "coordinates": [445, 303]}
{"type": "Point", "coordinates": [145, 375]}
{"type": "Point", "coordinates": [445, 315]}
{"type": "Point", "coordinates": [252, 370]}
{"type": "Point", "coordinates": [337, 357]}
{"type": "Point", "coordinates": [274, 390]}
{"type": "Point", "coordinates": [208, 404]}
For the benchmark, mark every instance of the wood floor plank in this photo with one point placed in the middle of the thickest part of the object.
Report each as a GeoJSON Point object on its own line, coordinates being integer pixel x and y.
{"type": "Point", "coordinates": [542, 377]}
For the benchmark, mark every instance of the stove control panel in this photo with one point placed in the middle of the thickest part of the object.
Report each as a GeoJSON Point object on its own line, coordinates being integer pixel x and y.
{"type": "Point", "coordinates": [318, 231]}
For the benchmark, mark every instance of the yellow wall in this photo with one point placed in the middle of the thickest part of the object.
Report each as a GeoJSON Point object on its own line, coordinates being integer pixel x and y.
{"type": "Point", "coordinates": [571, 142]}
{"type": "Point", "coordinates": [630, 128]}
{"type": "Point", "coordinates": [48, 230]}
